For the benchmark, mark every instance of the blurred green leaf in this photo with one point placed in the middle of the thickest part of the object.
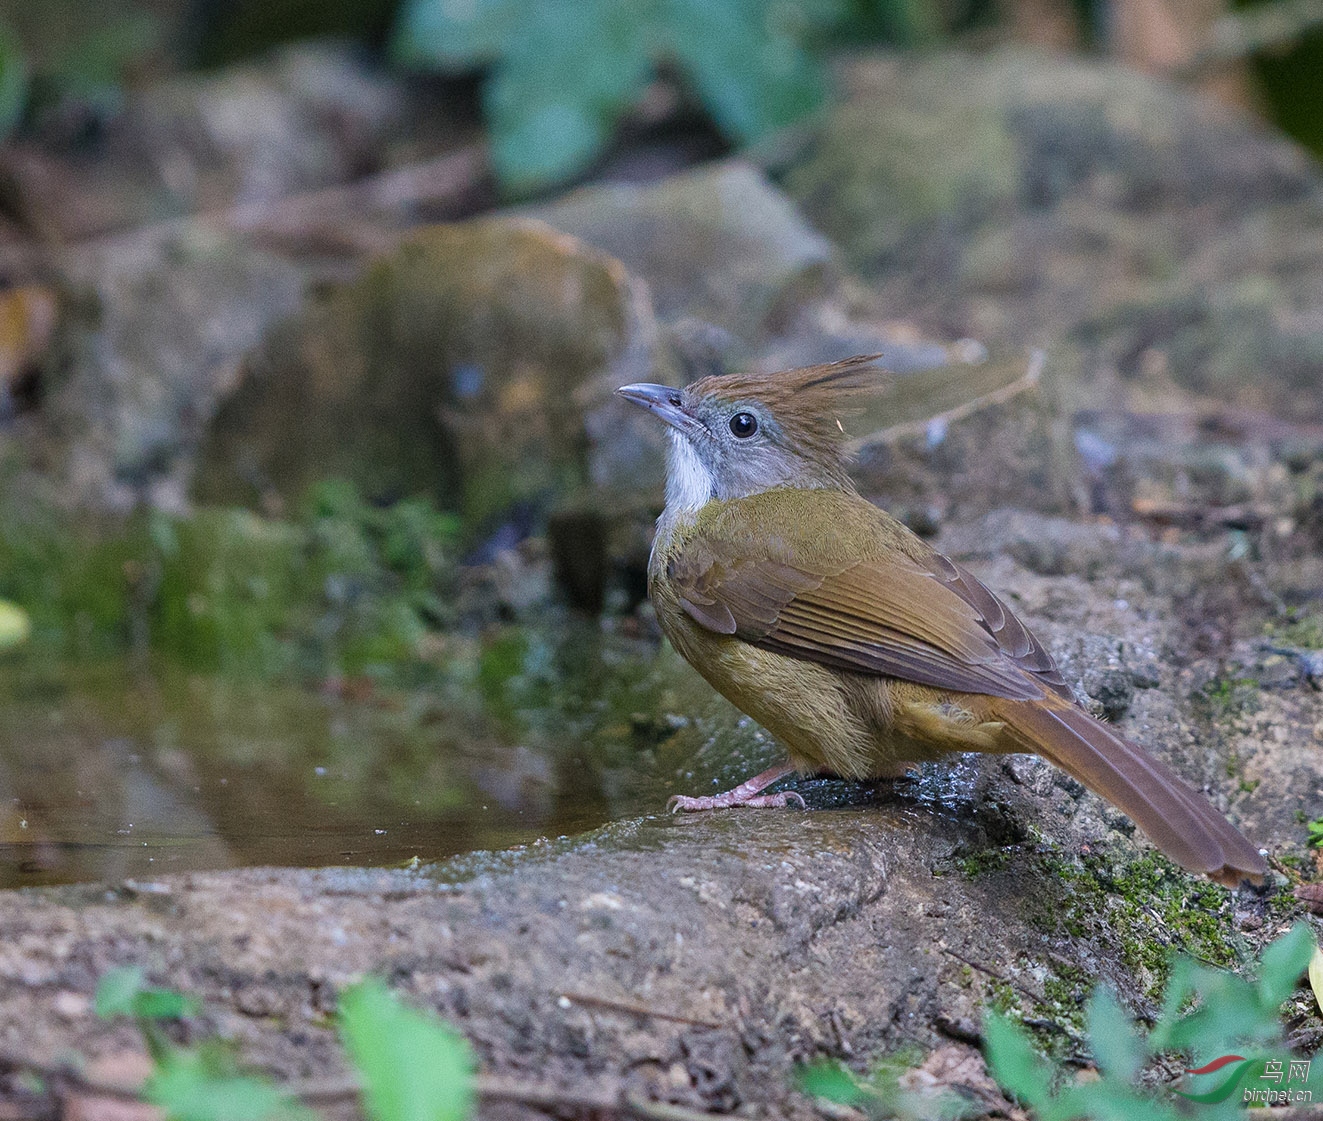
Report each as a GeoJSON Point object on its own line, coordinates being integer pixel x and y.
{"type": "Point", "coordinates": [1116, 1047]}
{"type": "Point", "coordinates": [414, 1068]}
{"type": "Point", "coordinates": [13, 81]}
{"type": "Point", "coordinates": [1283, 962]}
{"type": "Point", "coordinates": [1208, 1013]}
{"type": "Point", "coordinates": [124, 992]}
{"type": "Point", "coordinates": [15, 626]}
{"type": "Point", "coordinates": [1014, 1063]}
{"type": "Point", "coordinates": [831, 1081]}
{"type": "Point", "coordinates": [117, 990]}
{"type": "Point", "coordinates": [455, 35]}
{"type": "Point", "coordinates": [201, 1084]}
{"type": "Point", "coordinates": [563, 71]}
{"type": "Point", "coordinates": [753, 75]}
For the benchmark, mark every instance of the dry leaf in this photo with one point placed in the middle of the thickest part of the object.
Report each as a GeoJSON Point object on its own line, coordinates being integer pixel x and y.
{"type": "Point", "coordinates": [27, 320]}
{"type": "Point", "coordinates": [1311, 895]}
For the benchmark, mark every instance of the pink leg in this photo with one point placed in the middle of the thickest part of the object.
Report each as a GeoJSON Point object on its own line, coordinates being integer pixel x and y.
{"type": "Point", "coordinates": [746, 794]}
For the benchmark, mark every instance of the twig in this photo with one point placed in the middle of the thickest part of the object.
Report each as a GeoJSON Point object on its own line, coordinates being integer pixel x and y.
{"type": "Point", "coordinates": [329, 1091]}
{"type": "Point", "coordinates": [648, 1110]}
{"type": "Point", "coordinates": [1241, 516]}
{"type": "Point", "coordinates": [637, 1010]}
{"type": "Point", "coordinates": [441, 182]}
{"type": "Point", "coordinates": [1028, 380]}
{"type": "Point", "coordinates": [444, 179]}
{"type": "Point", "coordinates": [1237, 35]}
{"type": "Point", "coordinates": [1037, 998]}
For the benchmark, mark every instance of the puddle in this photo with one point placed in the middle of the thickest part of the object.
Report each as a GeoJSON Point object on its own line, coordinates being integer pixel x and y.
{"type": "Point", "coordinates": [107, 773]}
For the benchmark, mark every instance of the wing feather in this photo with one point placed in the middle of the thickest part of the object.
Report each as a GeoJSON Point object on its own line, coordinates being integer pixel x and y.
{"type": "Point", "coordinates": [924, 618]}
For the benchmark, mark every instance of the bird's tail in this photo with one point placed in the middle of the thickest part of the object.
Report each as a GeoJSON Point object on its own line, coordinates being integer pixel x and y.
{"type": "Point", "coordinates": [1178, 819]}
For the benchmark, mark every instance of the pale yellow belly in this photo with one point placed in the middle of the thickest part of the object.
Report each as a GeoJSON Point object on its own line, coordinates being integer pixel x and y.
{"type": "Point", "coordinates": [842, 723]}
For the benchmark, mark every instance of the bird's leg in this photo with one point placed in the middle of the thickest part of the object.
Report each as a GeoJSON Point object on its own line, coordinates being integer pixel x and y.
{"type": "Point", "coordinates": [748, 793]}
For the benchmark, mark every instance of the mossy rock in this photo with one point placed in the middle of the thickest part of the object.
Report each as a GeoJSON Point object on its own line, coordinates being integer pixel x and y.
{"type": "Point", "coordinates": [474, 365]}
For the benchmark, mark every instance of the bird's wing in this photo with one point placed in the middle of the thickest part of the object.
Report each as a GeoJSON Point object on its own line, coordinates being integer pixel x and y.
{"type": "Point", "coordinates": [925, 620]}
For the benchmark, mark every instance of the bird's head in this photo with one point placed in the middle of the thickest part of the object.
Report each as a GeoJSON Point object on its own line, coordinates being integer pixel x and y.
{"type": "Point", "coordinates": [740, 434]}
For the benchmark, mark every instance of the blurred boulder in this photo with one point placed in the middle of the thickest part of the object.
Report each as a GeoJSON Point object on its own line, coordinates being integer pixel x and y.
{"type": "Point", "coordinates": [476, 364]}
{"type": "Point", "coordinates": [720, 244]}
{"type": "Point", "coordinates": [1166, 251]}
{"type": "Point", "coordinates": [149, 331]}
{"type": "Point", "coordinates": [931, 150]}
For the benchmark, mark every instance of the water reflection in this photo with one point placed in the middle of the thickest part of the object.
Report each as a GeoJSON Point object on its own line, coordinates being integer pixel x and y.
{"type": "Point", "coordinates": [107, 773]}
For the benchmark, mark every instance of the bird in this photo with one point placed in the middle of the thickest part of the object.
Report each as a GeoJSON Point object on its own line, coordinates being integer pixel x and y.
{"type": "Point", "coordinates": [854, 642]}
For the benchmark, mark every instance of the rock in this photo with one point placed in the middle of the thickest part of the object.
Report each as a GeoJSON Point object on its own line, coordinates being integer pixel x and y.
{"type": "Point", "coordinates": [1161, 248]}
{"type": "Point", "coordinates": [721, 244]}
{"type": "Point", "coordinates": [306, 116]}
{"type": "Point", "coordinates": [476, 365]}
{"type": "Point", "coordinates": [950, 144]}
{"type": "Point", "coordinates": [151, 331]}
{"type": "Point", "coordinates": [690, 960]}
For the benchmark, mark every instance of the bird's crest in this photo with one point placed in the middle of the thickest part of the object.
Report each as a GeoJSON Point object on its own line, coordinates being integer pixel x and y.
{"type": "Point", "coordinates": [810, 403]}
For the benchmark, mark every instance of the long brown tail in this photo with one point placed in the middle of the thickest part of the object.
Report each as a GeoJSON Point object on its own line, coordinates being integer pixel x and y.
{"type": "Point", "coordinates": [1179, 820]}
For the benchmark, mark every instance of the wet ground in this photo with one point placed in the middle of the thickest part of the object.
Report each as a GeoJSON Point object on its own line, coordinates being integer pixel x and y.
{"type": "Point", "coordinates": [111, 771]}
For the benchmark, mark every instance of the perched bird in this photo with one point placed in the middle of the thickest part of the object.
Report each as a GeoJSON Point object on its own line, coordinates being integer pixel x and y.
{"type": "Point", "coordinates": [856, 644]}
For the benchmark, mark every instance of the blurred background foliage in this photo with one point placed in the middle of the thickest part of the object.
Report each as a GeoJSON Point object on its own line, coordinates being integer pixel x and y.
{"type": "Point", "coordinates": [558, 77]}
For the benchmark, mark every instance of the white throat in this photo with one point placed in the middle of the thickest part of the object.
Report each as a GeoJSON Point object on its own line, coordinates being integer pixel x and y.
{"type": "Point", "coordinates": [688, 482]}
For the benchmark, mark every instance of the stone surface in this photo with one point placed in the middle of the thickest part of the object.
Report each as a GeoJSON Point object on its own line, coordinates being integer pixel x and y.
{"type": "Point", "coordinates": [720, 244]}
{"type": "Point", "coordinates": [150, 332]}
{"type": "Point", "coordinates": [1157, 243]}
{"type": "Point", "coordinates": [476, 364]}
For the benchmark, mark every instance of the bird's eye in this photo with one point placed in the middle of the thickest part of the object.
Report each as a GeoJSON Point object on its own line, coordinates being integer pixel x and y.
{"type": "Point", "coordinates": [743, 425]}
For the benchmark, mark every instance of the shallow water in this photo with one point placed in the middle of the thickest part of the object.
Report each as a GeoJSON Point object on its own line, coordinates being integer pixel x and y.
{"type": "Point", "coordinates": [109, 772]}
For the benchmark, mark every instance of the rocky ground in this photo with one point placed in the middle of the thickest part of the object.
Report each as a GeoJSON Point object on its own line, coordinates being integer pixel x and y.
{"type": "Point", "coordinates": [1150, 503]}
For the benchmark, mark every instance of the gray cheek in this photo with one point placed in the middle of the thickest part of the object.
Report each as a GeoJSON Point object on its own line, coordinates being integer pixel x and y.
{"type": "Point", "coordinates": [758, 470]}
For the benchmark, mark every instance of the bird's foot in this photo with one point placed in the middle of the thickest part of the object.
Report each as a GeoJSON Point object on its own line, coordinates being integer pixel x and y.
{"type": "Point", "coordinates": [748, 793]}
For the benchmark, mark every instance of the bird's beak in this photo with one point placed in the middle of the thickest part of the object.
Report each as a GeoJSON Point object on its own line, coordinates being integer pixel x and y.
{"type": "Point", "coordinates": [662, 401]}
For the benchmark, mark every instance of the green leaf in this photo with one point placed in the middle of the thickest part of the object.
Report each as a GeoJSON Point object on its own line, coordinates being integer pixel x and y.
{"type": "Point", "coordinates": [563, 71]}
{"type": "Point", "coordinates": [1014, 1063]}
{"type": "Point", "coordinates": [124, 992]}
{"type": "Point", "coordinates": [117, 990]}
{"type": "Point", "coordinates": [1120, 1053]}
{"type": "Point", "coordinates": [455, 34]}
{"type": "Point", "coordinates": [831, 1081]}
{"type": "Point", "coordinates": [200, 1085]}
{"type": "Point", "coordinates": [15, 626]}
{"type": "Point", "coordinates": [1283, 962]}
{"type": "Point", "coordinates": [414, 1068]}
{"type": "Point", "coordinates": [751, 75]}
{"type": "Point", "coordinates": [563, 83]}
{"type": "Point", "coordinates": [13, 81]}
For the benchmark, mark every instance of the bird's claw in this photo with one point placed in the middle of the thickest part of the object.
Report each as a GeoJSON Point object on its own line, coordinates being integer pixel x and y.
{"type": "Point", "coordinates": [683, 803]}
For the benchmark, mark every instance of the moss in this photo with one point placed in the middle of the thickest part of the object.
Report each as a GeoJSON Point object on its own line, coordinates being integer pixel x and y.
{"type": "Point", "coordinates": [1225, 698]}
{"type": "Point", "coordinates": [977, 864]}
{"type": "Point", "coordinates": [1303, 629]}
{"type": "Point", "coordinates": [1148, 909]}
{"type": "Point", "coordinates": [1001, 995]}
{"type": "Point", "coordinates": [343, 588]}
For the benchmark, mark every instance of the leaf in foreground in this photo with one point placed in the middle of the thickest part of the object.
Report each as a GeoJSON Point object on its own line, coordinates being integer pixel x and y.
{"type": "Point", "coordinates": [124, 991]}
{"type": "Point", "coordinates": [414, 1068]}
{"type": "Point", "coordinates": [202, 1085]}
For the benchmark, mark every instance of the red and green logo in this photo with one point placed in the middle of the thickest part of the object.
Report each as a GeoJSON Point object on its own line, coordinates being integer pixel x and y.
{"type": "Point", "coordinates": [1227, 1087]}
